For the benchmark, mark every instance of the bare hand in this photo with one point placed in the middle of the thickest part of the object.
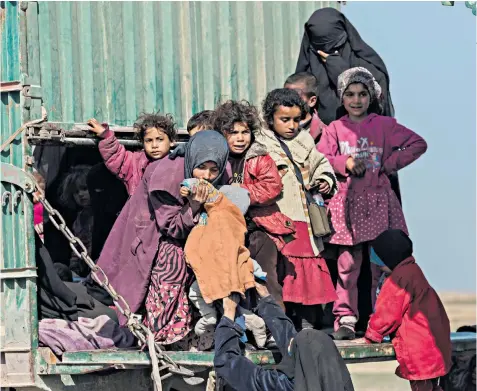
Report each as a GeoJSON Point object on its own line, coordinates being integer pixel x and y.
{"type": "Point", "coordinates": [95, 126]}
{"type": "Point", "coordinates": [230, 304]}
{"type": "Point", "coordinates": [201, 194]}
{"type": "Point", "coordinates": [261, 289]}
{"type": "Point", "coordinates": [324, 55]}
{"type": "Point", "coordinates": [356, 167]}
{"type": "Point", "coordinates": [184, 191]}
{"type": "Point", "coordinates": [324, 187]}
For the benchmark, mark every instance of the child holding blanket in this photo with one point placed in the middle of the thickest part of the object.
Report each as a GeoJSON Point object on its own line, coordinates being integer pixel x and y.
{"type": "Point", "coordinates": [216, 252]}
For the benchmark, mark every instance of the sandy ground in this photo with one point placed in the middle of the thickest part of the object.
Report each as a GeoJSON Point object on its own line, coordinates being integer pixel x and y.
{"type": "Point", "coordinates": [461, 309]}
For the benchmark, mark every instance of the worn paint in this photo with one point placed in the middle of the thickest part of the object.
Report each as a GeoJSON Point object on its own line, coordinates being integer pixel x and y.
{"type": "Point", "coordinates": [18, 301]}
{"type": "Point", "coordinates": [113, 60]}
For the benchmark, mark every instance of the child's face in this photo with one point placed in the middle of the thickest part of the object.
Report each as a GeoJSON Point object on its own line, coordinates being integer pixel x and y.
{"type": "Point", "coordinates": [301, 88]}
{"type": "Point", "coordinates": [286, 121]}
{"type": "Point", "coordinates": [195, 130]}
{"type": "Point", "coordinates": [208, 171]}
{"type": "Point", "coordinates": [239, 138]}
{"type": "Point", "coordinates": [82, 197]}
{"type": "Point", "coordinates": [356, 101]}
{"type": "Point", "coordinates": [156, 143]}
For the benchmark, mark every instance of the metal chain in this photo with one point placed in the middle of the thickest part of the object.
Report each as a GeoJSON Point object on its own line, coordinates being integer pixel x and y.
{"type": "Point", "coordinates": [141, 332]}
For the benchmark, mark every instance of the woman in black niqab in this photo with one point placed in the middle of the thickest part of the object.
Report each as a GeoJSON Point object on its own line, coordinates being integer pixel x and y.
{"type": "Point", "coordinates": [330, 32]}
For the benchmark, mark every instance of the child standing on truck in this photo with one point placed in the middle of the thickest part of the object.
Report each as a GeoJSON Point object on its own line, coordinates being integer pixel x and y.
{"type": "Point", "coordinates": [200, 121]}
{"type": "Point", "coordinates": [156, 132]}
{"type": "Point", "coordinates": [409, 309]}
{"type": "Point", "coordinates": [363, 148]}
{"type": "Point", "coordinates": [252, 168]}
{"type": "Point", "coordinates": [307, 282]}
{"type": "Point", "coordinates": [306, 85]}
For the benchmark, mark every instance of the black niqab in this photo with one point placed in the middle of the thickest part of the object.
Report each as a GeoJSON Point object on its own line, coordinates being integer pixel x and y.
{"type": "Point", "coordinates": [329, 30]}
{"type": "Point", "coordinates": [392, 246]}
{"type": "Point", "coordinates": [315, 364]}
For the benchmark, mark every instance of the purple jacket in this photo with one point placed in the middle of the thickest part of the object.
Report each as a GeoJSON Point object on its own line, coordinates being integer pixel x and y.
{"type": "Point", "coordinates": [381, 142]}
{"type": "Point", "coordinates": [126, 165]}
{"type": "Point", "coordinates": [155, 210]}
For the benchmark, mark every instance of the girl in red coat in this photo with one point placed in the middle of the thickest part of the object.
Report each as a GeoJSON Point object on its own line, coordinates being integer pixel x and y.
{"type": "Point", "coordinates": [252, 168]}
{"type": "Point", "coordinates": [409, 310]}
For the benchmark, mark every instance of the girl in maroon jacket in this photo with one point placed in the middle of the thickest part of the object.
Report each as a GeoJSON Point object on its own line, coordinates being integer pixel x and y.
{"type": "Point", "coordinates": [252, 168]}
{"type": "Point", "coordinates": [156, 132]}
{"type": "Point", "coordinates": [409, 310]}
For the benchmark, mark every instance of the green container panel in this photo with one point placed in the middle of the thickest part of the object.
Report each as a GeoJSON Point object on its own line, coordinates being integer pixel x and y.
{"type": "Point", "coordinates": [113, 60]}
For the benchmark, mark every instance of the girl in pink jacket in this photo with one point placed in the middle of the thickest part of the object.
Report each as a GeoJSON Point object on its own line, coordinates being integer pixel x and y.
{"type": "Point", "coordinates": [156, 132]}
{"type": "Point", "coordinates": [364, 148]}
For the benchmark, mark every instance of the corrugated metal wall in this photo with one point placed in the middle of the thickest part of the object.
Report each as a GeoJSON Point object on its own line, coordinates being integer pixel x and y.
{"type": "Point", "coordinates": [113, 60]}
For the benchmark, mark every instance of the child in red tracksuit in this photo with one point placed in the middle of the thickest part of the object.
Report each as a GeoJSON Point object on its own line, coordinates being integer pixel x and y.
{"type": "Point", "coordinates": [409, 310]}
{"type": "Point", "coordinates": [156, 132]}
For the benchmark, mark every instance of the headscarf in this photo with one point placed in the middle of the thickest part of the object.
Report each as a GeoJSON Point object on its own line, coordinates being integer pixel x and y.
{"type": "Point", "coordinates": [329, 30]}
{"type": "Point", "coordinates": [363, 76]}
{"type": "Point", "coordinates": [206, 146]}
{"type": "Point", "coordinates": [392, 247]}
{"type": "Point", "coordinates": [315, 364]}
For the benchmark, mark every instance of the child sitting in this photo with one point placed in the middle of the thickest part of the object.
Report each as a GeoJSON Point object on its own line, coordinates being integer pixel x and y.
{"type": "Point", "coordinates": [409, 309]}
{"type": "Point", "coordinates": [307, 282]}
{"type": "Point", "coordinates": [307, 87]}
{"type": "Point", "coordinates": [363, 148]}
{"type": "Point", "coordinates": [74, 195]}
{"type": "Point", "coordinates": [156, 132]}
{"type": "Point", "coordinates": [216, 253]}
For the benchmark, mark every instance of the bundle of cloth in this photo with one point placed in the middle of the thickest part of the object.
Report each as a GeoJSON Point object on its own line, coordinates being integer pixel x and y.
{"type": "Point", "coordinates": [216, 252]}
{"type": "Point", "coordinates": [83, 334]}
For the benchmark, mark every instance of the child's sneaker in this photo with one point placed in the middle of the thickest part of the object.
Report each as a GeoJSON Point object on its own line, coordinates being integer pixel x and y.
{"type": "Point", "coordinates": [346, 329]}
{"type": "Point", "coordinates": [344, 333]}
{"type": "Point", "coordinates": [257, 326]}
{"type": "Point", "coordinates": [205, 324]}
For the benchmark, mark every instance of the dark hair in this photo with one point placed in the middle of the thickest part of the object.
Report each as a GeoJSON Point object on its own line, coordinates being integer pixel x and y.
{"type": "Point", "coordinates": [231, 112]}
{"type": "Point", "coordinates": [374, 106]}
{"type": "Point", "coordinates": [72, 181]}
{"type": "Point", "coordinates": [308, 79]}
{"type": "Point", "coordinates": [203, 119]}
{"type": "Point", "coordinates": [165, 123]}
{"type": "Point", "coordinates": [281, 97]}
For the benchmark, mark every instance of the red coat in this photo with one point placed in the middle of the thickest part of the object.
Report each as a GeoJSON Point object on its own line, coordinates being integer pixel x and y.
{"type": "Point", "coordinates": [409, 307]}
{"type": "Point", "coordinates": [263, 181]}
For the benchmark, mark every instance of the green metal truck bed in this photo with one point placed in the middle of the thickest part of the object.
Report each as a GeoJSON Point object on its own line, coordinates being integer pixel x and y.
{"type": "Point", "coordinates": [90, 361]}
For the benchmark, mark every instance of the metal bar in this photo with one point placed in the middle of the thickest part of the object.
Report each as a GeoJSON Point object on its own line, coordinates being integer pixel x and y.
{"type": "Point", "coordinates": [23, 272]}
{"type": "Point", "coordinates": [11, 86]}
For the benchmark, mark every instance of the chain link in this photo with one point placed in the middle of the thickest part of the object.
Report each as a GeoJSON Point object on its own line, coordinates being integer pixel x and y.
{"type": "Point", "coordinates": [141, 332]}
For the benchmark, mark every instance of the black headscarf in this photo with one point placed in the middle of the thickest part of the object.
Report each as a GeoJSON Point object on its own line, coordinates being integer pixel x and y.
{"type": "Point", "coordinates": [329, 30]}
{"type": "Point", "coordinates": [315, 364]}
{"type": "Point", "coordinates": [392, 246]}
{"type": "Point", "coordinates": [206, 146]}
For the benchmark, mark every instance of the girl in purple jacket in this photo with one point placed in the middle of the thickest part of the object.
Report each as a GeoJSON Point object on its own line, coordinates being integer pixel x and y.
{"type": "Point", "coordinates": [156, 132]}
{"type": "Point", "coordinates": [364, 148]}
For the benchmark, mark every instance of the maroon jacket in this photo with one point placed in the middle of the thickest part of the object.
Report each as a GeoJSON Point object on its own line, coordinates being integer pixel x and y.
{"type": "Point", "coordinates": [410, 308]}
{"type": "Point", "coordinates": [126, 165]}
{"type": "Point", "coordinates": [262, 179]}
{"type": "Point", "coordinates": [155, 210]}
